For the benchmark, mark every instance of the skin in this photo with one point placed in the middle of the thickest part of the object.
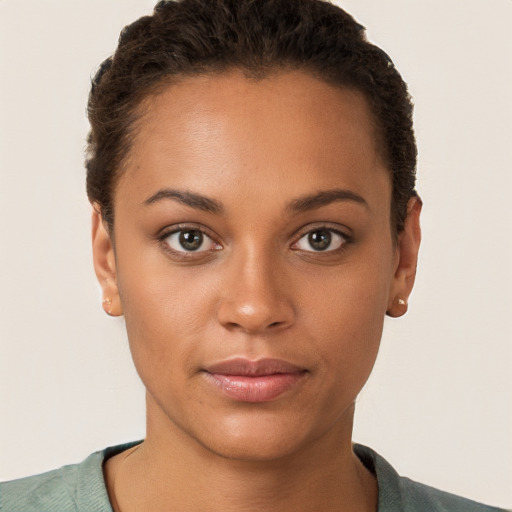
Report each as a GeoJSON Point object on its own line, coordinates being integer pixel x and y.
{"type": "Point", "coordinates": [259, 289]}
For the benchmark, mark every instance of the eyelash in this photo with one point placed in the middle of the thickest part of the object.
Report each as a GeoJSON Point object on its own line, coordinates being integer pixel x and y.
{"type": "Point", "coordinates": [185, 255]}
{"type": "Point", "coordinates": [345, 240]}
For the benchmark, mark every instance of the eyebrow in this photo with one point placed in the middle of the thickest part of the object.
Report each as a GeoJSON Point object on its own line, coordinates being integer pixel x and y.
{"type": "Point", "coordinates": [197, 201]}
{"type": "Point", "coordinates": [324, 198]}
{"type": "Point", "coordinates": [301, 204]}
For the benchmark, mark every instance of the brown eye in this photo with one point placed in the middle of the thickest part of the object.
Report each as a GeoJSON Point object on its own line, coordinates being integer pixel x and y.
{"type": "Point", "coordinates": [190, 240]}
{"type": "Point", "coordinates": [321, 240]}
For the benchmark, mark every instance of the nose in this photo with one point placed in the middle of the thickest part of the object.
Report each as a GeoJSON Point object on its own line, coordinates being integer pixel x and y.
{"type": "Point", "coordinates": [256, 297]}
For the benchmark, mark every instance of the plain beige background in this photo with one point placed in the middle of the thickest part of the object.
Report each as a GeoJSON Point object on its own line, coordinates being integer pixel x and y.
{"type": "Point", "coordinates": [439, 404]}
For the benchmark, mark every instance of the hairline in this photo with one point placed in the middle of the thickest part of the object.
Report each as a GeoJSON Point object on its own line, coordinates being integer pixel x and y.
{"type": "Point", "coordinates": [141, 104]}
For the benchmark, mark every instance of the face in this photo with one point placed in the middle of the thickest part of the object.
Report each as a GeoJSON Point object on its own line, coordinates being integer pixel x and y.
{"type": "Point", "coordinates": [254, 260]}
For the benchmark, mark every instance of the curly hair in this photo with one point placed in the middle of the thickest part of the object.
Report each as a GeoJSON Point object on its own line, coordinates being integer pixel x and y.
{"type": "Point", "coordinates": [189, 37]}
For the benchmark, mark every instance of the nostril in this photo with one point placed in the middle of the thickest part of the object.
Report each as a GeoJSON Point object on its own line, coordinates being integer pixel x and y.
{"type": "Point", "coordinates": [253, 312]}
{"type": "Point", "coordinates": [249, 327]}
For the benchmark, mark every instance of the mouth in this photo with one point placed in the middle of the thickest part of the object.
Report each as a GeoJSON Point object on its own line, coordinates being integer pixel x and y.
{"type": "Point", "coordinates": [254, 381]}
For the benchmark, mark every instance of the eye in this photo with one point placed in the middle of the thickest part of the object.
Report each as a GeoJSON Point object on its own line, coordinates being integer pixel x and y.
{"type": "Point", "coordinates": [321, 240]}
{"type": "Point", "coordinates": [190, 240]}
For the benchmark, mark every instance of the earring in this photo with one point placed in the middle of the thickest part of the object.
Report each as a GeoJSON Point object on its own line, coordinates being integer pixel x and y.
{"type": "Point", "coordinates": [402, 302]}
{"type": "Point", "coordinates": [107, 305]}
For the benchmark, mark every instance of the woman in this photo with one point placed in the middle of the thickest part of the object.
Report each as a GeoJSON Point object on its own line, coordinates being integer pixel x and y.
{"type": "Point", "coordinates": [251, 171]}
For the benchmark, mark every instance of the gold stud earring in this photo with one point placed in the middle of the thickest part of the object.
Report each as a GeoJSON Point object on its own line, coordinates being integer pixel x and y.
{"type": "Point", "coordinates": [107, 305]}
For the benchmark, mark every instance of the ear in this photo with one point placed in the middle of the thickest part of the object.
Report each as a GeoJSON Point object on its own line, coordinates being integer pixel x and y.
{"type": "Point", "coordinates": [105, 263]}
{"type": "Point", "coordinates": [407, 257]}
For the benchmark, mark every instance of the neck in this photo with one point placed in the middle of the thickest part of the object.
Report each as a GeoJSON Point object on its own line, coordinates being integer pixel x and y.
{"type": "Point", "coordinates": [170, 470]}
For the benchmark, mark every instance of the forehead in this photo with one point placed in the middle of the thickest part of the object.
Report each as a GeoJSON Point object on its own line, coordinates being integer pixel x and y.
{"type": "Point", "coordinates": [288, 130]}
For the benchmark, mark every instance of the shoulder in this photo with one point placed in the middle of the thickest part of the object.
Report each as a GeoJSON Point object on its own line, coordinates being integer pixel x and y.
{"type": "Point", "coordinates": [74, 488]}
{"type": "Point", "coordinates": [400, 494]}
{"type": "Point", "coordinates": [422, 497]}
{"type": "Point", "coordinates": [55, 490]}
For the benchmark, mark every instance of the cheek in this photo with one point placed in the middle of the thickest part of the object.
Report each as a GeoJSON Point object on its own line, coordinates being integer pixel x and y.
{"type": "Point", "coordinates": [158, 293]}
{"type": "Point", "coordinates": [350, 328]}
{"type": "Point", "coordinates": [167, 312]}
{"type": "Point", "coordinates": [347, 314]}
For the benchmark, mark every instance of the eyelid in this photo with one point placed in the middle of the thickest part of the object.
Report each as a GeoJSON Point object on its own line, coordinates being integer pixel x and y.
{"type": "Point", "coordinates": [206, 241]}
{"type": "Point", "coordinates": [168, 231]}
{"type": "Point", "coordinates": [318, 226]}
{"type": "Point", "coordinates": [333, 228]}
{"type": "Point", "coordinates": [184, 226]}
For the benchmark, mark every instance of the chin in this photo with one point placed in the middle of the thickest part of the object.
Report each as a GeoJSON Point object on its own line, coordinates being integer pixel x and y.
{"type": "Point", "coordinates": [258, 437]}
{"type": "Point", "coordinates": [253, 447]}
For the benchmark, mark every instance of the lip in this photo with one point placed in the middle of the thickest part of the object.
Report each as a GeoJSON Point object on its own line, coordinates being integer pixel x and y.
{"type": "Point", "coordinates": [254, 381]}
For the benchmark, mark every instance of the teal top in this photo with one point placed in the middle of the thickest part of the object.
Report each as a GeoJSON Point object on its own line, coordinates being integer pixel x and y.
{"type": "Point", "coordinates": [81, 488]}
